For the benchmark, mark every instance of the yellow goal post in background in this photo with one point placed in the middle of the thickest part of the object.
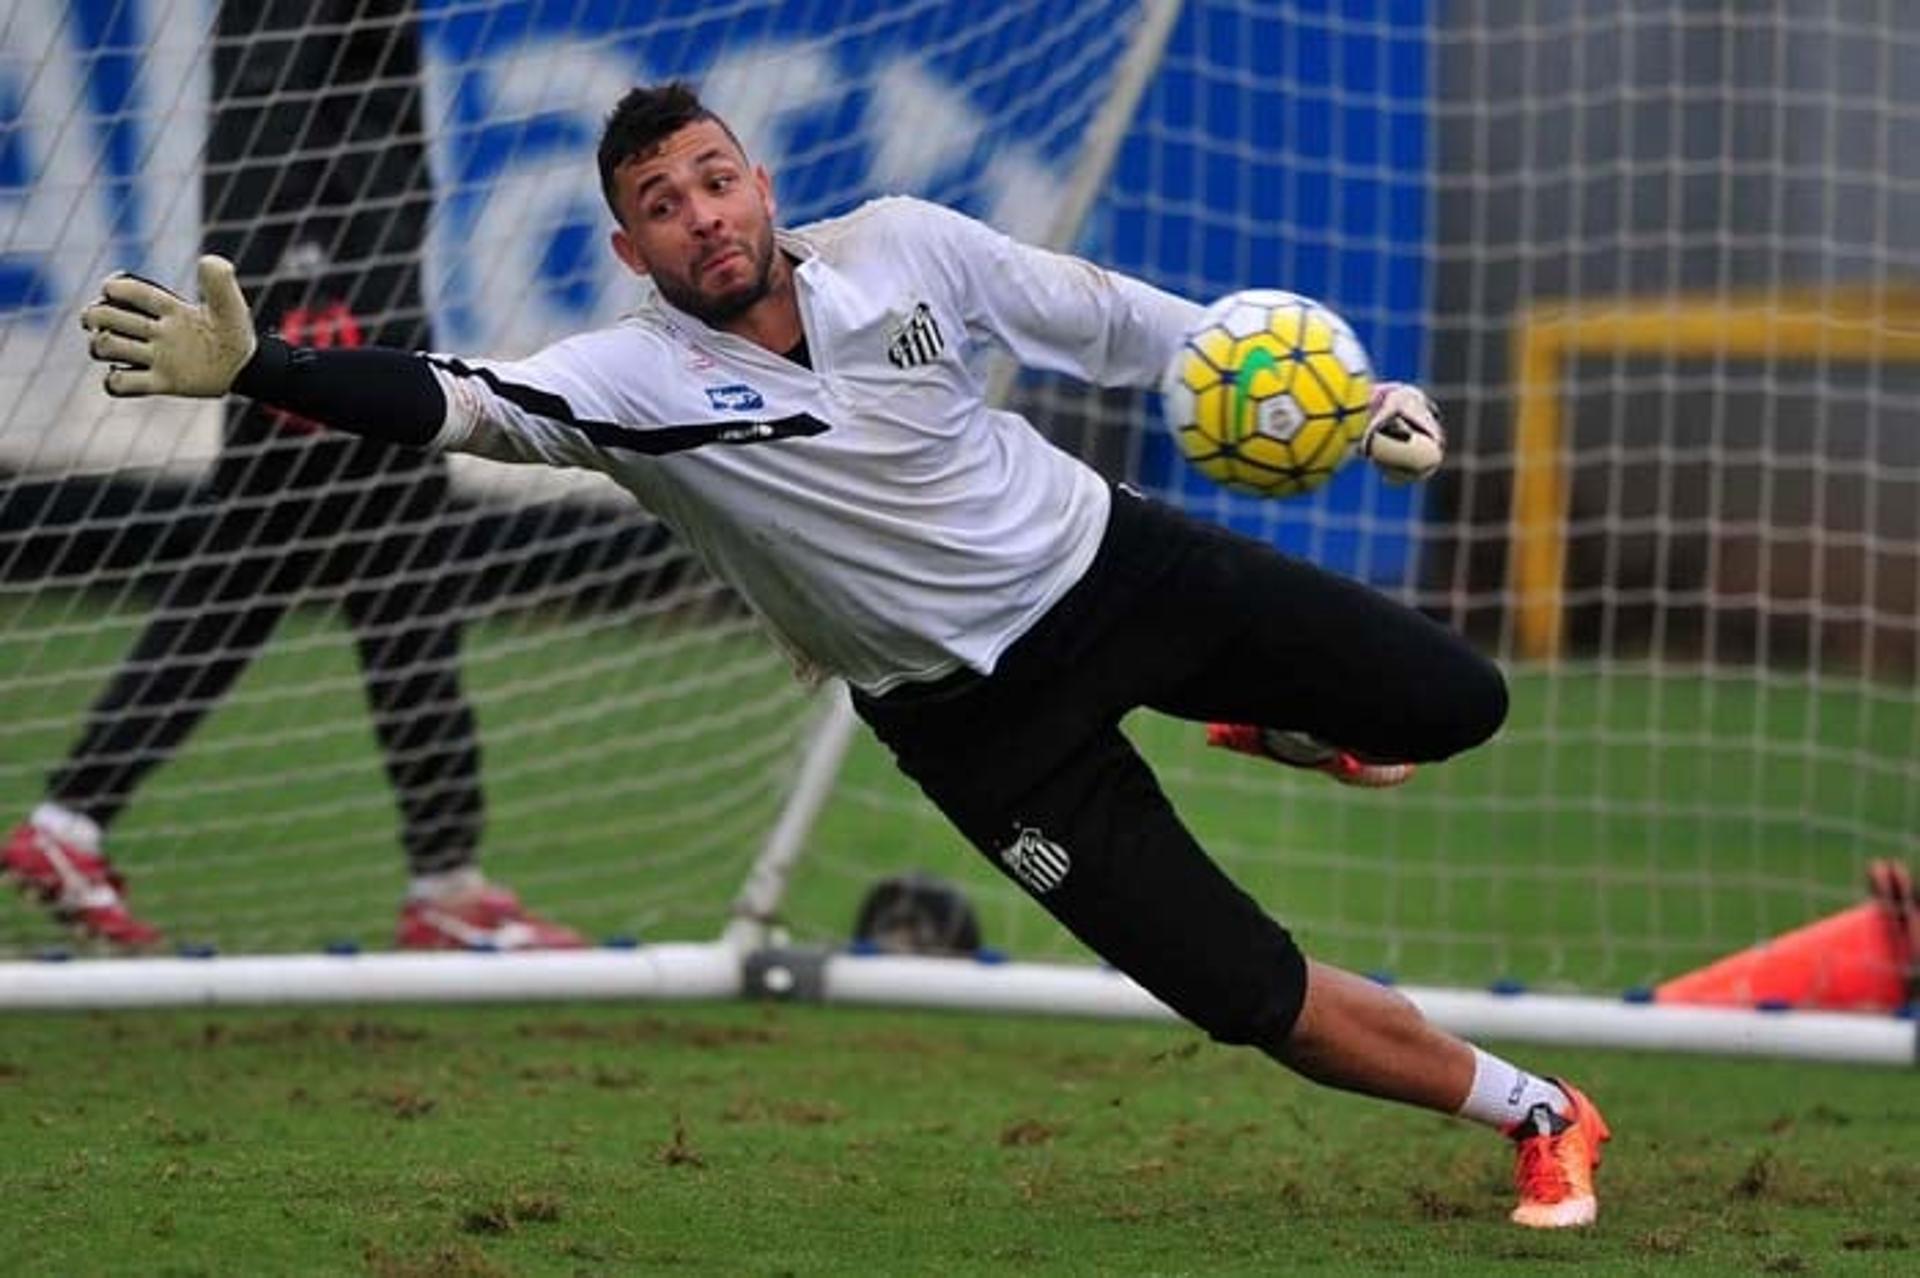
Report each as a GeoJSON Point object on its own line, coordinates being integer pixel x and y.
{"type": "Point", "coordinates": [1864, 324]}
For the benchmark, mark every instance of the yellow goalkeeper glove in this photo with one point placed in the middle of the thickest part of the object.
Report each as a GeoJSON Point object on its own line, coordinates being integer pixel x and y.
{"type": "Point", "coordinates": [156, 342]}
{"type": "Point", "coordinates": [1404, 437]}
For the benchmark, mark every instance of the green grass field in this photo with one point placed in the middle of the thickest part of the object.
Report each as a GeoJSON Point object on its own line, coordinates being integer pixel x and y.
{"type": "Point", "coordinates": [741, 1140]}
{"type": "Point", "coordinates": [754, 1140]}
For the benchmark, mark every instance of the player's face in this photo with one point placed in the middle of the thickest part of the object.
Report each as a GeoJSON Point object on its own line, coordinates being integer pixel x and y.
{"type": "Point", "coordinates": [699, 219]}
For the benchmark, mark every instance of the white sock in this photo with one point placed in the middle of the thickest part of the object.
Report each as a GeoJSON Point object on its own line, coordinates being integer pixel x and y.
{"type": "Point", "coordinates": [68, 826]}
{"type": "Point", "coordinates": [445, 884]}
{"type": "Point", "coordinates": [1503, 1093]}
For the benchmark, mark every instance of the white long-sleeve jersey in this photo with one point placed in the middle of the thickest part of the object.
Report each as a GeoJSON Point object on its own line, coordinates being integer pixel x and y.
{"type": "Point", "coordinates": [885, 522]}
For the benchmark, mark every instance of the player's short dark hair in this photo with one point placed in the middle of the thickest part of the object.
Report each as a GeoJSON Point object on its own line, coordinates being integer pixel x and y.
{"type": "Point", "coordinates": [642, 120]}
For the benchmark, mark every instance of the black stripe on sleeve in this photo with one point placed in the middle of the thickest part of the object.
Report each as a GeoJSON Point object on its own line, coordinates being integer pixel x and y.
{"type": "Point", "coordinates": [654, 441]}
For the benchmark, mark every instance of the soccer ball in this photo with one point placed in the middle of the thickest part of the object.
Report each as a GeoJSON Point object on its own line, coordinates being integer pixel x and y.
{"type": "Point", "coordinates": [1268, 393]}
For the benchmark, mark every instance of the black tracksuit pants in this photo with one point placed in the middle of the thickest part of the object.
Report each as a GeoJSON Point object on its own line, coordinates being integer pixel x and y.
{"type": "Point", "coordinates": [316, 186]}
{"type": "Point", "coordinates": [1186, 618]}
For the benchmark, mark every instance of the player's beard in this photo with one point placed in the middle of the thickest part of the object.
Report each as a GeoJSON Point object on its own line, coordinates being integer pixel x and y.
{"type": "Point", "coordinates": [718, 312]}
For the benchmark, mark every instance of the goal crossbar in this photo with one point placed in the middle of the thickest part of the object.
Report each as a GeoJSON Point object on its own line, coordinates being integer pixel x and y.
{"type": "Point", "coordinates": [1851, 324]}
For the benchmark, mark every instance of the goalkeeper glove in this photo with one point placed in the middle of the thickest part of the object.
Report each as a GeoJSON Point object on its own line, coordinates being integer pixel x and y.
{"type": "Point", "coordinates": [156, 342]}
{"type": "Point", "coordinates": [1404, 438]}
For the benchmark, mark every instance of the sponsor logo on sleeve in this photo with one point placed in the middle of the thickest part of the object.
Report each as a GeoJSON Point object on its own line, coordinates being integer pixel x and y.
{"type": "Point", "coordinates": [736, 397]}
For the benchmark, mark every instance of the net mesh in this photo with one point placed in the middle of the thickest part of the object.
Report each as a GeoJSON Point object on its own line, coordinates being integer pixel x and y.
{"type": "Point", "coordinates": [1651, 258]}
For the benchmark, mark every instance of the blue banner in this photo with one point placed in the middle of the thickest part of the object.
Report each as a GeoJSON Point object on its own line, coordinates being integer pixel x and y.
{"type": "Point", "coordinates": [1282, 148]}
{"type": "Point", "coordinates": [982, 107]}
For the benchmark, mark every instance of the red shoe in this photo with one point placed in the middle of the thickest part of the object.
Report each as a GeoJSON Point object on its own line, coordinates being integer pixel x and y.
{"type": "Point", "coordinates": [1298, 750]}
{"type": "Point", "coordinates": [76, 884]}
{"type": "Point", "coordinates": [491, 918]}
{"type": "Point", "coordinates": [1554, 1160]}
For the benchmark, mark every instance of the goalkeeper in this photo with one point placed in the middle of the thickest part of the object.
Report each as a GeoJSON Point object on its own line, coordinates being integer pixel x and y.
{"type": "Point", "coordinates": [806, 408]}
{"type": "Point", "coordinates": [317, 186]}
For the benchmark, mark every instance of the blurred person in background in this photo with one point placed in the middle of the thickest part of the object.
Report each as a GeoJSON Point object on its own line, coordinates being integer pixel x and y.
{"type": "Point", "coordinates": [316, 186]}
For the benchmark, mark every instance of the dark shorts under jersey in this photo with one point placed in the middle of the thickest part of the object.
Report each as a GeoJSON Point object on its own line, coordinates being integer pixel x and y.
{"type": "Point", "coordinates": [1194, 621]}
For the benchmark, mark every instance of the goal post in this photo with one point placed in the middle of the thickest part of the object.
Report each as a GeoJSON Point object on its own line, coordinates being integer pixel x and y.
{"type": "Point", "coordinates": [1651, 261]}
{"type": "Point", "coordinates": [1870, 325]}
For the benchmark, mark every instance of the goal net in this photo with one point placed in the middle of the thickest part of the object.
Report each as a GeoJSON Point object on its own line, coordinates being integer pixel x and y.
{"type": "Point", "coordinates": [1649, 258]}
{"type": "Point", "coordinates": [423, 174]}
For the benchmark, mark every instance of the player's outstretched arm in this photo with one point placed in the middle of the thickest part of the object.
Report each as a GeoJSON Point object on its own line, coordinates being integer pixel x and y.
{"type": "Point", "coordinates": [156, 342]}
{"type": "Point", "coordinates": [1404, 437]}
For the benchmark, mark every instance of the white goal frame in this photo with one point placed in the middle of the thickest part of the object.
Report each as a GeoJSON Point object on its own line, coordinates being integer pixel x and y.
{"type": "Point", "coordinates": [749, 957]}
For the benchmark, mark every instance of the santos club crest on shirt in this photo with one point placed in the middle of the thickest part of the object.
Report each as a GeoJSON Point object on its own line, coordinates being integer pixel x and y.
{"type": "Point", "coordinates": [1037, 861]}
{"type": "Point", "coordinates": [916, 340]}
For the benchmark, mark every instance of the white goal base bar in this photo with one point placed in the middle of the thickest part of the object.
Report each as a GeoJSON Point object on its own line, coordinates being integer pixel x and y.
{"type": "Point", "coordinates": [709, 971]}
{"type": "Point", "coordinates": [1538, 1018]}
{"type": "Point", "coordinates": [718, 971]}
{"type": "Point", "coordinates": [1566, 1019]}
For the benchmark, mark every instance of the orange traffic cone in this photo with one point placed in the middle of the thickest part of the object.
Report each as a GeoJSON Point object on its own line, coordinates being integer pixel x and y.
{"type": "Point", "coordinates": [1858, 960]}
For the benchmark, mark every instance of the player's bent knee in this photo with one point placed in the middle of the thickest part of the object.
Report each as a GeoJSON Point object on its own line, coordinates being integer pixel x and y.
{"type": "Point", "coordinates": [1482, 705]}
{"type": "Point", "coordinates": [1258, 1014]}
{"type": "Point", "coordinates": [1463, 710]}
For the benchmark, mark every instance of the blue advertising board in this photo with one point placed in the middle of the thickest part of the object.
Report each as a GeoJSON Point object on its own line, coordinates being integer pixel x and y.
{"type": "Point", "coordinates": [1286, 149]}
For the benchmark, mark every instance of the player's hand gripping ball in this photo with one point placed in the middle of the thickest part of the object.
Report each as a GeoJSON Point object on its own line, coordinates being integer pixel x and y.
{"type": "Point", "coordinates": [1404, 437]}
{"type": "Point", "coordinates": [1268, 393]}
